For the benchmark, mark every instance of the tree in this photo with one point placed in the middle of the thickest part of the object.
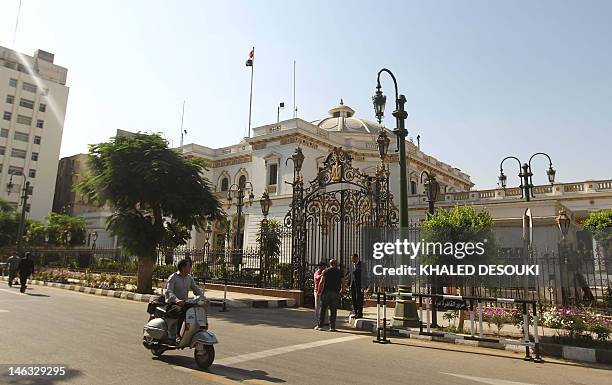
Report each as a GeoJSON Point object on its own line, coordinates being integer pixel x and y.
{"type": "Point", "coordinates": [149, 187]}
{"type": "Point", "coordinates": [269, 241]}
{"type": "Point", "coordinates": [54, 232]}
{"type": "Point", "coordinates": [600, 225]}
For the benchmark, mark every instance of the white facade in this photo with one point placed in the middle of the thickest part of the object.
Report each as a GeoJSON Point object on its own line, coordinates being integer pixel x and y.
{"type": "Point", "coordinates": [272, 145]}
{"type": "Point", "coordinates": [33, 98]}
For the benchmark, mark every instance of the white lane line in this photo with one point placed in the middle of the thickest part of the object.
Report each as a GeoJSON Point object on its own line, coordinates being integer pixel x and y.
{"type": "Point", "coordinates": [3, 311]}
{"type": "Point", "coordinates": [282, 350]}
{"type": "Point", "coordinates": [489, 381]}
{"type": "Point", "coordinates": [12, 292]}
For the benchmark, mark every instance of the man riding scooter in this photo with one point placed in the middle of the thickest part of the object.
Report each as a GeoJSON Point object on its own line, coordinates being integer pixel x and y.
{"type": "Point", "coordinates": [177, 290]}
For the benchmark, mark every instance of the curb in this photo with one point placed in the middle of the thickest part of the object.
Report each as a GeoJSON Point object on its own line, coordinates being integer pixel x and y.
{"type": "Point", "coordinates": [573, 353]}
{"type": "Point", "coordinates": [235, 303]}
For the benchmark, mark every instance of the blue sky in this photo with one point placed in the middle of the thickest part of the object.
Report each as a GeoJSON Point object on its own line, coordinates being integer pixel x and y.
{"type": "Point", "coordinates": [483, 79]}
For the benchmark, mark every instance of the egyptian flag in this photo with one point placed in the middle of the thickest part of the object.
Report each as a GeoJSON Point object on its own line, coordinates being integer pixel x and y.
{"type": "Point", "coordinates": [249, 62]}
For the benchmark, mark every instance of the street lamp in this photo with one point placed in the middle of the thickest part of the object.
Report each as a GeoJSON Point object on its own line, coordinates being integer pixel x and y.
{"type": "Point", "coordinates": [24, 203]}
{"type": "Point", "coordinates": [526, 175]}
{"type": "Point", "coordinates": [405, 313]}
{"type": "Point", "coordinates": [563, 221]}
{"type": "Point", "coordinates": [265, 203]}
{"type": "Point", "coordinates": [382, 142]}
{"type": "Point", "coordinates": [240, 191]}
{"type": "Point", "coordinates": [433, 190]}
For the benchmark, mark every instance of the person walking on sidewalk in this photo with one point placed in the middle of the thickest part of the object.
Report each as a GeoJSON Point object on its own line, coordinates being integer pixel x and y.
{"type": "Point", "coordinates": [318, 274]}
{"type": "Point", "coordinates": [356, 288]}
{"type": "Point", "coordinates": [26, 268]}
{"type": "Point", "coordinates": [332, 283]}
{"type": "Point", "coordinates": [13, 268]}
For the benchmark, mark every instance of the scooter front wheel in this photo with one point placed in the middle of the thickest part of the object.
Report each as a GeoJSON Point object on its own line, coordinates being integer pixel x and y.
{"type": "Point", "coordinates": [204, 357]}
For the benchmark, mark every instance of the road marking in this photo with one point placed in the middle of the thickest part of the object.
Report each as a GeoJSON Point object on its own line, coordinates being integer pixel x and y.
{"type": "Point", "coordinates": [207, 376]}
{"type": "Point", "coordinates": [489, 381]}
{"type": "Point", "coordinates": [283, 350]}
{"type": "Point", "coordinates": [12, 292]}
{"type": "Point", "coordinates": [3, 311]}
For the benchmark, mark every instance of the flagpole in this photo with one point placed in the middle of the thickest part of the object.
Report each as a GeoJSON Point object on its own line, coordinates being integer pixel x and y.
{"type": "Point", "coordinates": [294, 107]}
{"type": "Point", "coordinates": [251, 95]}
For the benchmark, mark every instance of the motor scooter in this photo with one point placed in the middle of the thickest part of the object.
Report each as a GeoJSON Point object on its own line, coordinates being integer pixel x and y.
{"type": "Point", "coordinates": [194, 334]}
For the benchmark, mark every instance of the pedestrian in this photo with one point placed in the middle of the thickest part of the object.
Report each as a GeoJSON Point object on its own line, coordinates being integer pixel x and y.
{"type": "Point", "coordinates": [13, 268]}
{"type": "Point", "coordinates": [332, 282]}
{"type": "Point", "coordinates": [317, 288]}
{"type": "Point", "coordinates": [26, 268]}
{"type": "Point", "coordinates": [356, 287]}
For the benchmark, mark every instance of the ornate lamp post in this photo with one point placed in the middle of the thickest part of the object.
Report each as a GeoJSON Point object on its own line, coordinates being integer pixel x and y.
{"type": "Point", "coordinates": [24, 203]}
{"type": "Point", "coordinates": [405, 310]}
{"type": "Point", "coordinates": [433, 190]}
{"type": "Point", "coordinates": [240, 192]}
{"type": "Point", "coordinates": [563, 222]}
{"type": "Point", "coordinates": [298, 246]}
{"type": "Point", "coordinates": [265, 203]}
{"type": "Point", "coordinates": [525, 175]}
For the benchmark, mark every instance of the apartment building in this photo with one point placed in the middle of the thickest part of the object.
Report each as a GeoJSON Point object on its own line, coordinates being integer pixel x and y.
{"type": "Point", "coordinates": [33, 98]}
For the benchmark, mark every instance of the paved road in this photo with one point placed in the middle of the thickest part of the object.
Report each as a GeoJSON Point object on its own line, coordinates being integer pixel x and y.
{"type": "Point", "coordinates": [99, 339]}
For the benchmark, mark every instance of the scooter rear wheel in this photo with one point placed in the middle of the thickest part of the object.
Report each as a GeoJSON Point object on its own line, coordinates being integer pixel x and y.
{"type": "Point", "coordinates": [205, 357]}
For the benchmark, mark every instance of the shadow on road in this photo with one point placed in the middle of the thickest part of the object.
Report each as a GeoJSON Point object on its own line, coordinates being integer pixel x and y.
{"type": "Point", "coordinates": [231, 373]}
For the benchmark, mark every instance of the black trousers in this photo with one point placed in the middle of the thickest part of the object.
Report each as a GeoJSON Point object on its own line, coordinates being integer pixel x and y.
{"type": "Point", "coordinates": [23, 280]}
{"type": "Point", "coordinates": [12, 276]}
{"type": "Point", "coordinates": [357, 299]}
{"type": "Point", "coordinates": [329, 299]}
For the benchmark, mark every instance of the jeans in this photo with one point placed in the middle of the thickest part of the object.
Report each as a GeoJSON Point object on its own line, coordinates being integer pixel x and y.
{"type": "Point", "coordinates": [23, 280]}
{"type": "Point", "coordinates": [317, 303]}
{"type": "Point", "coordinates": [12, 276]}
{"type": "Point", "coordinates": [329, 299]}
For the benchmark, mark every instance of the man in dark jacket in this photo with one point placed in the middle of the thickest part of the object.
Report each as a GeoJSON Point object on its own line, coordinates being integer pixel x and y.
{"type": "Point", "coordinates": [26, 268]}
{"type": "Point", "coordinates": [13, 268]}
{"type": "Point", "coordinates": [332, 283]}
{"type": "Point", "coordinates": [356, 288]}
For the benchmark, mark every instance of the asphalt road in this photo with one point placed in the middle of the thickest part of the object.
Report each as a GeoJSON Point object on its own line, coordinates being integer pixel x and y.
{"type": "Point", "coordinates": [99, 340]}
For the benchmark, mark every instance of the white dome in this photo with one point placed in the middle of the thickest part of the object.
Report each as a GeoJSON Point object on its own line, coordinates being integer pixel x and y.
{"type": "Point", "coordinates": [341, 119]}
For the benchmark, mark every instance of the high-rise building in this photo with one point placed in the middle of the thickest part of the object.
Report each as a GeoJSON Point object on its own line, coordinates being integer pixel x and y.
{"type": "Point", "coordinates": [33, 98]}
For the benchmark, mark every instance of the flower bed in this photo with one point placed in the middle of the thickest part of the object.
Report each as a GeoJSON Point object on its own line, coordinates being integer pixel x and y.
{"type": "Point", "coordinates": [98, 281]}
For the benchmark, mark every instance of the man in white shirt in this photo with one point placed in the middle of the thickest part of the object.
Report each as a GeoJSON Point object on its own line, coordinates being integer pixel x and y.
{"type": "Point", "coordinates": [177, 292]}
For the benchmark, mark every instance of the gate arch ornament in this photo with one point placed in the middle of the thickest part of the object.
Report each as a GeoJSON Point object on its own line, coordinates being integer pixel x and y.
{"type": "Point", "coordinates": [327, 216]}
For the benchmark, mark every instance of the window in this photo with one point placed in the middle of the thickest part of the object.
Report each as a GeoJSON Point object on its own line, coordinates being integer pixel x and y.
{"type": "Point", "coordinates": [242, 181]}
{"type": "Point", "coordinates": [32, 173]}
{"type": "Point", "coordinates": [224, 184]}
{"type": "Point", "coordinates": [37, 139]}
{"type": "Point", "coordinates": [14, 170]}
{"type": "Point", "coordinates": [40, 123]}
{"type": "Point", "coordinates": [2, 150]}
{"type": "Point", "coordinates": [24, 120]}
{"type": "Point", "coordinates": [10, 99]}
{"type": "Point", "coordinates": [273, 174]}
{"type": "Point", "coordinates": [35, 156]}
{"type": "Point", "coordinates": [17, 153]}
{"type": "Point", "coordinates": [21, 136]}
{"type": "Point", "coordinates": [13, 82]}
{"type": "Point", "coordinates": [4, 133]}
{"type": "Point", "coordinates": [7, 115]}
{"type": "Point", "coordinates": [413, 187]}
{"type": "Point", "coordinates": [42, 107]}
{"type": "Point", "coordinates": [26, 103]}
{"type": "Point", "coordinates": [29, 87]}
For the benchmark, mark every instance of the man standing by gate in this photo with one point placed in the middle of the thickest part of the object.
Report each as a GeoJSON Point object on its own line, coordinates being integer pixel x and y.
{"type": "Point", "coordinates": [332, 282]}
{"type": "Point", "coordinates": [356, 288]}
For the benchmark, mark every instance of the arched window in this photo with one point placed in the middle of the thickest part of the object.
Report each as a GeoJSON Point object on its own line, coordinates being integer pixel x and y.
{"type": "Point", "coordinates": [413, 187]}
{"type": "Point", "coordinates": [242, 181]}
{"type": "Point", "coordinates": [224, 184]}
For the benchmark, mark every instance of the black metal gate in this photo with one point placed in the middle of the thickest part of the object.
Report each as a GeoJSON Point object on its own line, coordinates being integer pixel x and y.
{"type": "Point", "coordinates": [328, 217]}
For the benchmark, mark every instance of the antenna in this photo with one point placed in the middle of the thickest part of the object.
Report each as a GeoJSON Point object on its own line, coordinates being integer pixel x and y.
{"type": "Point", "coordinates": [182, 131]}
{"type": "Point", "coordinates": [16, 24]}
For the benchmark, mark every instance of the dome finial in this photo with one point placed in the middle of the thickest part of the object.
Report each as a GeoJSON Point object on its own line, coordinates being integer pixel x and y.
{"type": "Point", "coordinates": [341, 102]}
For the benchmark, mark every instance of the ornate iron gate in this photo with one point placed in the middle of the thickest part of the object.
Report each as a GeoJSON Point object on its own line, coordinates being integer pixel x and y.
{"type": "Point", "coordinates": [327, 218]}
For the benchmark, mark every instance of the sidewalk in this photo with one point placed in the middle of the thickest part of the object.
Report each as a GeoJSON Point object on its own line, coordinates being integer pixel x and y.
{"type": "Point", "coordinates": [235, 300]}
